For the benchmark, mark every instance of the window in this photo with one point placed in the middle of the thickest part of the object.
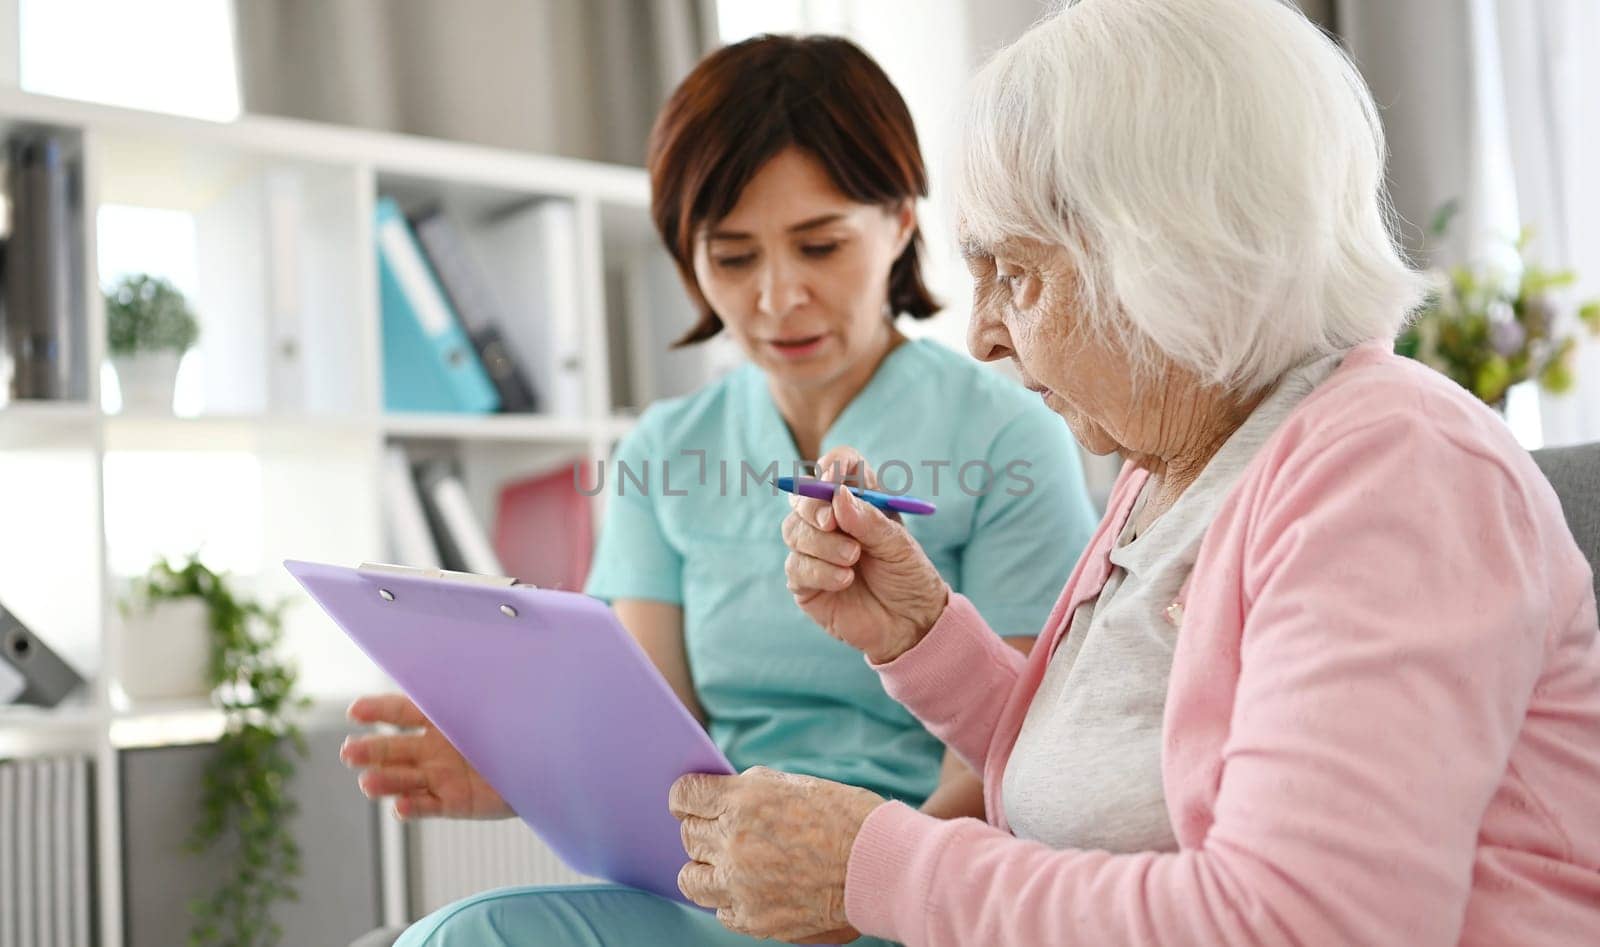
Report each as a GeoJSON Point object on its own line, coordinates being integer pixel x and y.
{"type": "Point", "coordinates": [741, 19]}
{"type": "Point", "coordinates": [163, 55]}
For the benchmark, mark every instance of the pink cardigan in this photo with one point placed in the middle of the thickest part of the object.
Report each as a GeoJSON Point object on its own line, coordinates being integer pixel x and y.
{"type": "Point", "coordinates": [1382, 725]}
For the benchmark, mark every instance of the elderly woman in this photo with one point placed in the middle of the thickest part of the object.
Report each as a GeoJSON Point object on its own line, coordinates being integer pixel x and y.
{"type": "Point", "coordinates": [1328, 672]}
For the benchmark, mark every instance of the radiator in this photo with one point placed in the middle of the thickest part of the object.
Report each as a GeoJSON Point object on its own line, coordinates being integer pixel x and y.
{"type": "Point", "coordinates": [45, 858]}
{"type": "Point", "coordinates": [450, 859]}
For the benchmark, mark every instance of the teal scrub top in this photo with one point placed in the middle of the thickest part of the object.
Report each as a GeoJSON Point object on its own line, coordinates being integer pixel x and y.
{"type": "Point", "coordinates": [690, 519]}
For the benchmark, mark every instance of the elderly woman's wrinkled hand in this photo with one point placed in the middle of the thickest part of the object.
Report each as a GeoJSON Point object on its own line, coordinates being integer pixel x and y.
{"type": "Point", "coordinates": [857, 572]}
{"type": "Point", "coordinates": [769, 850]}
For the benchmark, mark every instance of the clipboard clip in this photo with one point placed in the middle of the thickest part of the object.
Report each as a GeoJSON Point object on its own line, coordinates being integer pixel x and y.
{"type": "Point", "coordinates": [443, 575]}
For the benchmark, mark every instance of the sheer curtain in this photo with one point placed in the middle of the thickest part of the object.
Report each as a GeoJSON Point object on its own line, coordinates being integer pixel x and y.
{"type": "Point", "coordinates": [1551, 82]}
{"type": "Point", "coordinates": [1492, 102]}
{"type": "Point", "coordinates": [581, 78]}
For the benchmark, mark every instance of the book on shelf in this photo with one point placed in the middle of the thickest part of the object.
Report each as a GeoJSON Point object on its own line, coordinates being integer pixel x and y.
{"type": "Point", "coordinates": [283, 212]}
{"type": "Point", "coordinates": [405, 516]}
{"type": "Point", "coordinates": [44, 335]}
{"type": "Point", "coordinates": [544, 531]}
{"type": "Point", "coordinates": [443, 541]}
{"type": "Point", "coordinates": [533, 248]}
{"type": "Point", "coordinates": [476, 305]}
{"type": "Point", "coordinates": [429, 364]}
{"type": "Point", "coordinates": [463, 544]}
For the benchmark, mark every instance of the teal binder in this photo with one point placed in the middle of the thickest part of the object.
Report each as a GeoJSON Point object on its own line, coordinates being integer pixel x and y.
{"type": "Point", "coordinates": [429, 364]}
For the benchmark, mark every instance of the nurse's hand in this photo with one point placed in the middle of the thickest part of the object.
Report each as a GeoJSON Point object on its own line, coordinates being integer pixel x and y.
{"type": "Point", "coordinates": [423, 771]}
{"type": "Point", "coordinates": [856, 570]}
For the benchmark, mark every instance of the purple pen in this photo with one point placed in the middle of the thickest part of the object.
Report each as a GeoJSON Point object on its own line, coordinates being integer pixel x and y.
{"type": "Point", "coordinates": [824, 490]}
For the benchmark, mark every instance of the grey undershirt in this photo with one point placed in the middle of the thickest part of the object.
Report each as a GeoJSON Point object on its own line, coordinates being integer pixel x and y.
{"type": "Point", "coordinates": [1086, 769]}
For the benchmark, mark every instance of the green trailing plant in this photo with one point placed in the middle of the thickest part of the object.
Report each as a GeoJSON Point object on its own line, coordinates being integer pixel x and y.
{"type": "Point", "coordinates": [1488, 330]}
{"type": "Point", "coordinates": [148, 314]}
{"type": "Point", "coordinates": [245, 797]}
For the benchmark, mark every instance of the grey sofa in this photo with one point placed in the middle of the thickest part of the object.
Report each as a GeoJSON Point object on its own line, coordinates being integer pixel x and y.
{"type": "Point", "coordinates": [1575, 473]}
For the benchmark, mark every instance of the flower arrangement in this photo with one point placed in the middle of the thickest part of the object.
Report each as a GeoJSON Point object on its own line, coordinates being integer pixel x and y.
{"type": "Point", "coordinates": [1487, 331]}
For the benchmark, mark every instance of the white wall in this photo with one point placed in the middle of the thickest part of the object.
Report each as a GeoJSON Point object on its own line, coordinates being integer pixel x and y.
{"type": "Point", "coordinates": [9, 44]}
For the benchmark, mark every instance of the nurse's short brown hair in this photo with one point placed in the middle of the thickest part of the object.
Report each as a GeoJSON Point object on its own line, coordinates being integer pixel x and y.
{"type": "Point", "coordinates": [745, 103]}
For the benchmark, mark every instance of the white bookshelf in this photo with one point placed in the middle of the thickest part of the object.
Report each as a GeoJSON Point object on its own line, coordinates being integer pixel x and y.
{"type": "Point", "coordinates": [315, 464]}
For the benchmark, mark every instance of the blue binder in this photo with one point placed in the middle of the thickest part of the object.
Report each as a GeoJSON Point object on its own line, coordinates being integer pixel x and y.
{"type": "Point", "coordinates": [429, 364]}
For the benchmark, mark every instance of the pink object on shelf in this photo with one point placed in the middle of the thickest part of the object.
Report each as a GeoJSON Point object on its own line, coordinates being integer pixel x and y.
{"type": "Point", "coordinates": [544, 531]}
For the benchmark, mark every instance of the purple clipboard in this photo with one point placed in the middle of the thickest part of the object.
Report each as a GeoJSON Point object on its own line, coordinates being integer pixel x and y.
{"type": "Point", "coordinates": [547, 696]}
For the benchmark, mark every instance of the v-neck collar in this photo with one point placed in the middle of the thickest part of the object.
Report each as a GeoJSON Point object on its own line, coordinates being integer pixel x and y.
{"type": "Point", "coordinates": [770, 432]}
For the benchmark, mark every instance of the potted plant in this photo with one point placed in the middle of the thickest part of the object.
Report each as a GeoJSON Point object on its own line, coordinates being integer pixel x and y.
{"type": "Point", "coordinates": [245, 800]}
{"type": "Point", "coordinates": [149, 326]}
{"type": "Point", "coordinates": [1488, 331]}
{"type": "Point", "coordinates": [166, 652]}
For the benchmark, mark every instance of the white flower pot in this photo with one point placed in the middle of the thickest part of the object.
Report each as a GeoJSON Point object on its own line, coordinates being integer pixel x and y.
{"type": "Point", "coordinates": [165, 651]}
{"type": "Point", "coordinates": [147, 380]}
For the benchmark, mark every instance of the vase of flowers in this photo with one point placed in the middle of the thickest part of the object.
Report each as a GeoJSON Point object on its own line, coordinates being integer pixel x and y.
{"type": "Point", "coordinates": [1489, 330]}
{"type": "Point", "coordinates": [149, 326]}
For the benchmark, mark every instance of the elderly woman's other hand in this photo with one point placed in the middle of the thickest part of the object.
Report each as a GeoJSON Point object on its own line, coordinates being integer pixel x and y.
{"type": "Point", "coordinates": [856, 570]}
{"type": "Point", "coordinates": [769, 851]}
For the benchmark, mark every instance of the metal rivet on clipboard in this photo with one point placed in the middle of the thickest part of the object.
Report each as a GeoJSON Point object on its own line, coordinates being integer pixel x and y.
{"type": "Point", "coordinates": [386, 595]}
{"type": "Point", "coordinates": [508, 611]}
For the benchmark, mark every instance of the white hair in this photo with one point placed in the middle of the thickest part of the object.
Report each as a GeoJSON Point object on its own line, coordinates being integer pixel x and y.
{"type": "Point", "coordinates": [1213, 167]}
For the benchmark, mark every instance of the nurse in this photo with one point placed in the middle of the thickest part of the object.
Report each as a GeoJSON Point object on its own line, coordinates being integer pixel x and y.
{"type": "Point", "coordinates": [784, 177]}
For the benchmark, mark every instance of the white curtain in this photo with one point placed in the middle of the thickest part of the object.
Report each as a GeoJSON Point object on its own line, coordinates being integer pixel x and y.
{"type": "Point", "coordinates": [1551, 82]}
{"type": "Point", "coordinates": [1492, 103]}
